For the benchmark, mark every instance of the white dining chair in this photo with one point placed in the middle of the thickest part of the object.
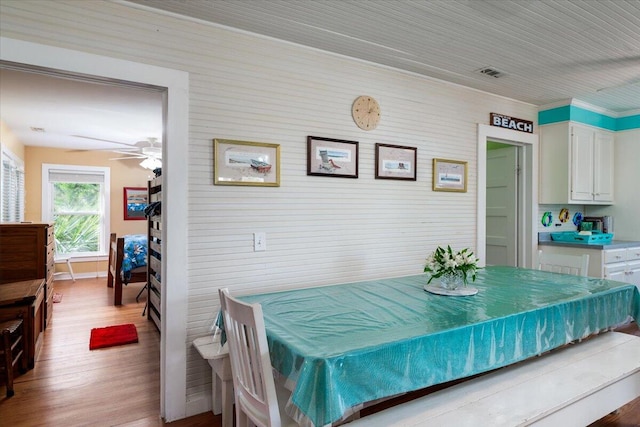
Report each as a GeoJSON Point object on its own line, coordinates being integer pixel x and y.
{"type": "Point", "coordinates": [257, 399]}
{"type": "Point", "coordinates": [563, 263]}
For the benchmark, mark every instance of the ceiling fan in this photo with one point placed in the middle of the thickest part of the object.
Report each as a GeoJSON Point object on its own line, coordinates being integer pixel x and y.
{"type": "Point", "coordinates": [150, 151]}
{"type": "Point", "coordinates": [151, 154]}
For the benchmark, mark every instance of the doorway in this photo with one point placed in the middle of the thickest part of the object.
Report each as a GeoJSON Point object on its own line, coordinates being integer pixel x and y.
{"type": "Point", "coordinates": [502, 204]}
{"type": "Point", "coordinates": [527, 189]}
{"type": "Point", "coordinates": [174, 230]}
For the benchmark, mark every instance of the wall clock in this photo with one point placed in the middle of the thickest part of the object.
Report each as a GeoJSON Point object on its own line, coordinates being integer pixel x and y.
{"type": "Point", "coordinates": [366, 112]}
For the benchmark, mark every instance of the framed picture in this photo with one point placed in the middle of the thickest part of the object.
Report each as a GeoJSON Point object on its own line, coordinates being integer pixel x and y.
{"type": "Point", "coordinates": [246, 163]}
{"type": "Point", "coordinates": [449, 175]}
{"type": "Point", "coordinates": [396, 162]}
{"type": "Point", "coordinates": [332, 157]}
{"type": "Point", "coordinates": [135, 200]}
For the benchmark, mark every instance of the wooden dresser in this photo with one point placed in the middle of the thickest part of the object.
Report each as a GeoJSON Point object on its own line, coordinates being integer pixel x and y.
{"type": "Point", "coordinates": [27, 253]}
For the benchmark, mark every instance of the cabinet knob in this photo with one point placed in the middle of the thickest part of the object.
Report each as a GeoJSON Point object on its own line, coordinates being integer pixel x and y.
{"type": "Point", "coordinates": [618, 256]}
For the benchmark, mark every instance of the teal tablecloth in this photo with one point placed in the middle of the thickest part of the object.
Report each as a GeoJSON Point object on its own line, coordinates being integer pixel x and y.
{"type": "Point", "coordinates": [352, 343]}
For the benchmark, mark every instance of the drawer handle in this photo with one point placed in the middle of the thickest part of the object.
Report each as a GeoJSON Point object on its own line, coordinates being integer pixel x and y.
{"type": "Point", "coordinates": [618, 256]}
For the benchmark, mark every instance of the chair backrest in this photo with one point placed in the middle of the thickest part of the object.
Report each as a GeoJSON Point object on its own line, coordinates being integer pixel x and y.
{"type": "Point", "coordinates": [254, 386]}
{"type": "Point", "coordinates": [563, 263]}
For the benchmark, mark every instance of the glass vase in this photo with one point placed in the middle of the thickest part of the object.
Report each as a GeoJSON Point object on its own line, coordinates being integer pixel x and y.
{"type": "Point", "coordinates": [452, 280]}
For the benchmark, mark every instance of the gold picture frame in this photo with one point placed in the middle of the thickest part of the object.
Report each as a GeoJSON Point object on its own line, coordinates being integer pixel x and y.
{"type": "Point", "coordinates": [449, 175]}
{"type": "Point", "coordinates": [246, 163]}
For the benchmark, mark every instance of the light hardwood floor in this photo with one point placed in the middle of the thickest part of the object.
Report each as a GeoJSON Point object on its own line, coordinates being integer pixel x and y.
{"type": "Point", "coordinates": [119, 386]}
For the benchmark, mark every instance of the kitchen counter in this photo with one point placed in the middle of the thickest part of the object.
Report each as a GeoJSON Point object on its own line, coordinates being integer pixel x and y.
{"type": "Point", "coordinates": [544, 239]}
{"type": "Point", "coordinates": [615, 244]}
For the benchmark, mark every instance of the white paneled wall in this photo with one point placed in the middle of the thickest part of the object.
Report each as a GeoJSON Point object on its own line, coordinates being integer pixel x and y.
{"type": "Point", "coordinates": [319, 230]}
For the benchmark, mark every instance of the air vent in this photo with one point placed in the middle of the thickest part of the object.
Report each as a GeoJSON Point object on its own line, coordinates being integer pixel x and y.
{"type": "Point", "coordinates": [35, 129]}
{"type": "Point", "coordinates": [491, 72]}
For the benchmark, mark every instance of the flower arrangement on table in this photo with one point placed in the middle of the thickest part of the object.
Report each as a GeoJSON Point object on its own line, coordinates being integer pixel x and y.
{"type": "Point", "coordinates": [454, 268]}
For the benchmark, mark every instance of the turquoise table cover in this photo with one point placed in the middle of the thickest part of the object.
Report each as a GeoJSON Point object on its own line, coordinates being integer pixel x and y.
{"type": "Point", "coordinates": [347, 344]}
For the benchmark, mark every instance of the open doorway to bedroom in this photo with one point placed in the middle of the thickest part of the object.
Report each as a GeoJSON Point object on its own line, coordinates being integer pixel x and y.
{"type": "Point", "coordinates": [84, 140]}
{"type": "Point", "coordinates": [174, 232]}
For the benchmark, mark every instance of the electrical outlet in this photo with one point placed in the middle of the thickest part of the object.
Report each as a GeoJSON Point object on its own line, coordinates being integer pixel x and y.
{"type": "Point", "coordinates": [259, 242]}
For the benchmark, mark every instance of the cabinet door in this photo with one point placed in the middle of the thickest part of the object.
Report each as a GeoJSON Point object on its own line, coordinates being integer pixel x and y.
{"type": "Point", "coordinates": [633, 273]}
{"type": "Point", "coordinates": [617, 271]}
{"type": "Point", "coordinates": [603, 167]}
{"type": "Point", "coordinates": [582, 142]}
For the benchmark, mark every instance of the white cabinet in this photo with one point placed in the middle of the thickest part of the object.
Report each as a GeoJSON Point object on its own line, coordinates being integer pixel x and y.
{"type": "Point", "coordinates": [621, 264]}
{"type": "Point", "coordinates": [576, 165]}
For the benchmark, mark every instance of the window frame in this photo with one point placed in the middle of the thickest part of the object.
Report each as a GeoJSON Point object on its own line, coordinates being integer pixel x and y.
{"type": "Point", "coordinates": [47, 203]}
{"type": "Point", "coordinates": [16, 200]}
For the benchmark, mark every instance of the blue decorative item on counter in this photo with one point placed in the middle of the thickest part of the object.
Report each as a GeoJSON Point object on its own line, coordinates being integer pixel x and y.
{"type": "Point", "coordinates": [577, 219]}
{"type": "Point", "coordinates": [594, 238]}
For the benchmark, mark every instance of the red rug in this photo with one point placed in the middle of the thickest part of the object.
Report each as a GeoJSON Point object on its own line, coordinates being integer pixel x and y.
{"type": "Point", "coordinates": [113, 335]}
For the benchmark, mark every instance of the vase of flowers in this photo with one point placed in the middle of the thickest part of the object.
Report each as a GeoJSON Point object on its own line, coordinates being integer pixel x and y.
{"type": "Point", "coordinates": [453, 268]}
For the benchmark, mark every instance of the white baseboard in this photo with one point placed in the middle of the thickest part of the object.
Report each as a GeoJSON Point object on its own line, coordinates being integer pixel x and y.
{"type": "Point", "coordinates": [67, 276]}
{"type": "Point", "coordinates": [198, 404]}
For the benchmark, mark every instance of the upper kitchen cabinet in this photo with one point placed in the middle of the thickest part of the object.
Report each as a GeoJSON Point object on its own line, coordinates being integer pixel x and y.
{"type": "Point", "coordinates": [576, 164]}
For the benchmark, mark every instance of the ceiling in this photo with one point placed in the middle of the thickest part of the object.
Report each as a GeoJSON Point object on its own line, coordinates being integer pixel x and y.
{"type": "Point", "coordinates": [546, 50]}
{"type": "Point", "coordinates": [77, 113]}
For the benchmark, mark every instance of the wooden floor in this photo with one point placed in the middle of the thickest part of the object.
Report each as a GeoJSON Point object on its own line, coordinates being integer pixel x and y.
{"type": "Point", "coordinates": [118, 386]}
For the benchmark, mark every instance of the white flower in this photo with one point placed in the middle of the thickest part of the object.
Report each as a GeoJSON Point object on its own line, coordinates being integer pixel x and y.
{"type": "Point", "coordinates": [443, 261]}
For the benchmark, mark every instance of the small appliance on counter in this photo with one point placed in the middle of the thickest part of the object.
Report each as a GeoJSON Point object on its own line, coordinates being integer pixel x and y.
{"type": "Point", "coordinates": [602, 224]}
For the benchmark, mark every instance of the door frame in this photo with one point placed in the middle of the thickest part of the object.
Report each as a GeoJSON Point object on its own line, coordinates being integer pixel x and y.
{"type": "Point", "coordinates": [527, 190]}
{"type": "Point", "coordinates": [173, 351]}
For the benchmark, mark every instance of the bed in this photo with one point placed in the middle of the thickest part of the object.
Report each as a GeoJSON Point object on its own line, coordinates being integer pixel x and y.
{"type": "Point", "coordinates": [127, 262]}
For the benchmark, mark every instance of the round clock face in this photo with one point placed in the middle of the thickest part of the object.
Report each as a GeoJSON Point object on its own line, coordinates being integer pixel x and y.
{"type": "Point", "coordinates": [366, 112]}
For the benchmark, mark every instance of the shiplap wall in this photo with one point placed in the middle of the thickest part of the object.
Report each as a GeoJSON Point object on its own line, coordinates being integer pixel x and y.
{"type": "Point", "coordinates": [319, 230]}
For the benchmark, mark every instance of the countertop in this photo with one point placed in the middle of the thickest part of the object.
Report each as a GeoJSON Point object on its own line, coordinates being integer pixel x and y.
{"type": "Point", "coordinates": [544, 239]}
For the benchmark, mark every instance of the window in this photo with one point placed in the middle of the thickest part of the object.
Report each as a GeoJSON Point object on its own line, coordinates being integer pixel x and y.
{"type": "Point", "coordinates": [12, 188]}
{"type": "Point", "coordinates": [76, 200]}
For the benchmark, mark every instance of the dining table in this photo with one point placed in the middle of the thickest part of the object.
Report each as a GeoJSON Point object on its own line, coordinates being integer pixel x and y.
{"type": "Point", "coordinates": [340, 346]}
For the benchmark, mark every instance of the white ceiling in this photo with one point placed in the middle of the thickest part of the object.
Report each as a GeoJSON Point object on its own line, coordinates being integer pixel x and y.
{"type": "Point", "coordinates": [548, 50]}
{"type": "Point", "coordinates": [53, 111]}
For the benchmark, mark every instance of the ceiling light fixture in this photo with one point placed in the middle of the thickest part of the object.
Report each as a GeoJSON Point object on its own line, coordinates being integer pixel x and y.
{"type": "Point", "coordinates": [151, 163]}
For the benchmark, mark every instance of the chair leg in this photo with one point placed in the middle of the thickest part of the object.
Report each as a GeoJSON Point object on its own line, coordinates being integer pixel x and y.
{"type": "Point", "coordinates": [8, 361]}
{"type": "Point", "coordinates": [141, 291]}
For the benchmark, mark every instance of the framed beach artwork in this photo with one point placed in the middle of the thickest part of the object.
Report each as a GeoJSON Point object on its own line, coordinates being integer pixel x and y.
{"type": "Point", "coordinates": [332, 157]}
{"type": "Point", "coordinates": [396, 162]}
{"type": "Point", "coordinates": [246, 163]}
{"type": "Point", "coordinates": [449, 175]}
{"type": "Point", "coordinates": [135, 200]}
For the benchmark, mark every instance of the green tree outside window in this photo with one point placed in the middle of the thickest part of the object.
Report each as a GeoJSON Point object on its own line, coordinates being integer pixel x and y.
{"type": "Point", "coordinates": [76, 209]}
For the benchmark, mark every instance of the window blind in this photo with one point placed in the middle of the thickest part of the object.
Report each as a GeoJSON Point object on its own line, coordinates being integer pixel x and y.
{"type": "Point", "coordinates": [59, 175]}
{"type": "Point", "coordinates": [12, 189]}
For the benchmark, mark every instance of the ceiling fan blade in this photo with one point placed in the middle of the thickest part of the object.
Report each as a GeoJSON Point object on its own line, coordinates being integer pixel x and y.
{"type": "Point", "coordinates": [104, 140]}
{"type": "Point", "coordinates": [128, 158]}
{"type": "Point", "coordinates": [126, 151]}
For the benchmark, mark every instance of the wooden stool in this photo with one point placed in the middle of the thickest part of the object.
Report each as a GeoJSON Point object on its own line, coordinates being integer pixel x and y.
{"type": "Point", "coordinates": [12, 350]}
